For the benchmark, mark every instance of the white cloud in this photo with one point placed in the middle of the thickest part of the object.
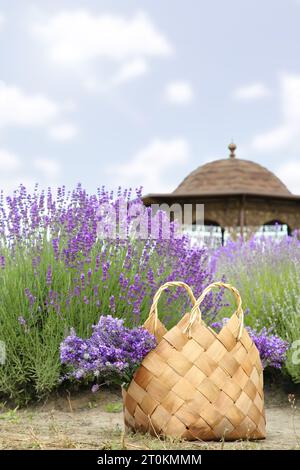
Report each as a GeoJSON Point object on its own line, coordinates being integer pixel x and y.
{"type": "Point", "coordinates": [289, 173]}
{"type": "Point", "coordinates": [290, 98]}
{"type": "Point", "coordinates": [8, 161]}
{"type": "Point", "coordinates": [286, 135]}
{"type": "Point", "coordinates": [13, 172]}
{"type": "Point", "coordinates": [179, 92]}
{"type": "Point", "coordinates": [11, 183]}
{"type": "Point", "coordinates": [151, 166]}
{"type": "Point", "coordinates": [21, 109]}
{"type": "Point", "coordinates": [132, 69]}
{"type": "Point", "coordinates": [275, 140]}
{"type": "Point", "coordinates": [76, 36]}
{"type": "Point", "coordinates": [2, 21]}
{"type": "Point", "coordinates": [50, 169]}
{"type": "Point", "coordinates": [128, 71]}
{"type": "Point", "coordinates": [91, 84]}
{"type": "Point", "coordinates": [63, 132]}
{"type": "Point", "coordinates": [251, 92]}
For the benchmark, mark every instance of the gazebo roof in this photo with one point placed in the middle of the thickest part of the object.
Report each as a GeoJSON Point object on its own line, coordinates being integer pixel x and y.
{"type": "Point", "coordinates": [235, 193]}
{"type": "Point", "coordinates": [232, 175]}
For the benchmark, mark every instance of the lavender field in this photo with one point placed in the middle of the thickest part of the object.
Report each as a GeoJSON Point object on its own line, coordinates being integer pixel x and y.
{"type": "Point", "coordinates": [57, 274]}
{"type": "Point", "coordinates": [58, 277]}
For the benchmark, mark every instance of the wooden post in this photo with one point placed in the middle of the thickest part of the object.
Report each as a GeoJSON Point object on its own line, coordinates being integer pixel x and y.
{"type": "Point", "coordinates": [242, 216]}
{"type": "Point", "coordinates": [222, 236]}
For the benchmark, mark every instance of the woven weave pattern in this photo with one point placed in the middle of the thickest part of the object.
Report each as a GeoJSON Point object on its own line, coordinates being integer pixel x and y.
{"type": "Point", "coordinates": [200, 385]}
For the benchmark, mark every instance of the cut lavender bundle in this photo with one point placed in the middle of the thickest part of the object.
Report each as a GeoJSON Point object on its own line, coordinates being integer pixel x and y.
{"type": "Point", "coordinates": [272, 349]}
{"type": "Point", "coordinates": [111, 354]}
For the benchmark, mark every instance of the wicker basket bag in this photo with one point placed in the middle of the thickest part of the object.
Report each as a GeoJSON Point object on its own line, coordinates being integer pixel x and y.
{"type": "Point", "coordinates": [196, 383]}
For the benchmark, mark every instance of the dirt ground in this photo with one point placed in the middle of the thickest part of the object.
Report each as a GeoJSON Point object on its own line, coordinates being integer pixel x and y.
{"type": "Point", "coordinates": [94, 421]}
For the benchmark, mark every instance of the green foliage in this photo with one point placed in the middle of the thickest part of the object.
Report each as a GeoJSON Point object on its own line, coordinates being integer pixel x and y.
{"type": "Point", "coordinates": [114, 407]}
{"type": "Point", "coordinates": [267, 274]}
{"type": "Point", "coordinates": [57, 273]}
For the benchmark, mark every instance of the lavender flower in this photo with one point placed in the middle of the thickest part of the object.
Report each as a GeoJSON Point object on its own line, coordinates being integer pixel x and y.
{"type": "Point", "coordinates": [49, 276]}
{"type": "Point", "coordinates": [22, 320]}
{"type": "Point", "coordinates": [82, 278]}
{"type": "Point", "coordinates": [266, 270]}
{"type": "Point", "coordinates": [30, 297]}
{"type": "Point", "coordinates": [272, 349]}
{"type": "Point", "coordinates": [112, 353]}
{"type": "Point", "coordinates": [2, 261]}
{"type": "Point", "coordinates": [64, 272]}
{"type": "Point", "coordinates": [112, 303]}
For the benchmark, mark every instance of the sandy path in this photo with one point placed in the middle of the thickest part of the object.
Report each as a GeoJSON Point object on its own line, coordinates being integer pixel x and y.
{"type": "Point", "coordinates": [89, 421]}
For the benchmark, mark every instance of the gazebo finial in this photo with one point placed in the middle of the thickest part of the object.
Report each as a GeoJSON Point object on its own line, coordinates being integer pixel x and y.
{"type": "Point", "coordinates": [232, 148]}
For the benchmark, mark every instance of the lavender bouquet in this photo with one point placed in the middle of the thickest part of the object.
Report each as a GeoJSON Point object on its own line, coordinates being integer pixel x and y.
{"type": "Point", "coordinates": [110, 355]}
{"type": "Point", "coordinates": [272, 349]}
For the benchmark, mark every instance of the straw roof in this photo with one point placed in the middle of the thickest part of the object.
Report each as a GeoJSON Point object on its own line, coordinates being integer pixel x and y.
{"type": "Point", "coordinates": [232, 175]}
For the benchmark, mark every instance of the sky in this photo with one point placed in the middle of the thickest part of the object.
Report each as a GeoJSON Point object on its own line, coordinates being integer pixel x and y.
{"type": "Point", "coordinates": [140, 93]}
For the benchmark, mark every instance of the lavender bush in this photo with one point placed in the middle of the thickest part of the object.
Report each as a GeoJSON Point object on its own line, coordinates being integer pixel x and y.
{"type": "Point", "coordinates": [57, 273]}
{"type": "Point", "coordinates": [272, 349]}
{"type": "Point", "coordinates": [267, 273]}
{"type": "Point", "coordinates": [110, 355]}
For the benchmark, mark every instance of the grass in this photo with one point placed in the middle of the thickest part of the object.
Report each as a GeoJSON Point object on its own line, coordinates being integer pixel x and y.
{"type": "Point", "coordinates": [114, 407]}
{"type": "Point", "coordinates": [267, 274]}
{"type": "Point", "coordinates": [58, 273]}
{"type": "Point", "coordinates": [10, 415]}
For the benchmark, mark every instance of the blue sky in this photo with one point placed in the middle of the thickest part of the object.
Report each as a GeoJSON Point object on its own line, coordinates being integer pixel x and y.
{"type": "Point", "coordinates": [142, 92]}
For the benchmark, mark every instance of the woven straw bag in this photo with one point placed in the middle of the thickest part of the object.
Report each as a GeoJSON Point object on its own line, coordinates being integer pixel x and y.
{"type": "Point", "coordinates": [196, 383]}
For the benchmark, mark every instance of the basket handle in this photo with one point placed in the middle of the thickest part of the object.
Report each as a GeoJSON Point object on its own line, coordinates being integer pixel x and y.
{"type": "Point", "coordinates": [196, 312]}
{"type": "Point", "coordinates": [153, 309]}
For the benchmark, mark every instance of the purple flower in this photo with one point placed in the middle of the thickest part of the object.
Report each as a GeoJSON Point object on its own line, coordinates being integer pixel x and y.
{"type": "Point", "coordinates": [82, 278]}
{"type": "Point", "coordinates": [56, 232]}
{"type": "Point", "coordinates": [97, 265]}
{"type": "Point", "coordinates": [30, 297]}
{"type": "Point", "coordinates": [49, 276]}
{"type": "Point", "coordinates": [2, 261]}
{"type": "Point", "coordinates": [272, 349]}
{"type": "Point", "coordinates": [55, 245]}
{"type": "Point", "coordinates": [112, 304]}
{"type": "Point", "coordinates": [22, 320]}
{"type": "Point", "coordinates": [112, 353]}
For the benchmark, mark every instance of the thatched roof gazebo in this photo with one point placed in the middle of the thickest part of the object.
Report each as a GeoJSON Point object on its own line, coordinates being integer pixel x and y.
{"type": "Point", "coordinates": [238, 195]}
